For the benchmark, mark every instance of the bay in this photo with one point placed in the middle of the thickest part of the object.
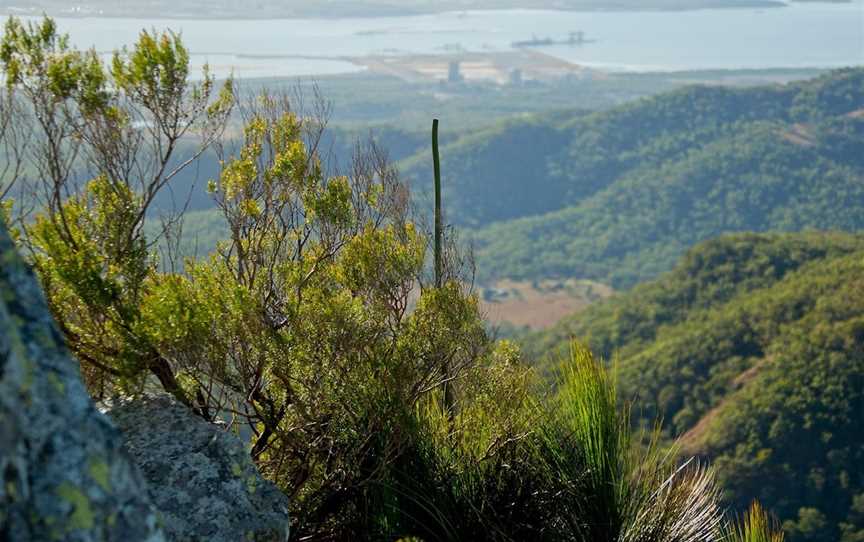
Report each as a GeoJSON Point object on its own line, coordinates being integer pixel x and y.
{"type": "Point", "coordinates": [805, 34]}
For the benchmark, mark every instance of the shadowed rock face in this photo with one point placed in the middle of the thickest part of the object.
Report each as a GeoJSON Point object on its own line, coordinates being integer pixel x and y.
{"type": "Point", "coordinates": [63, 472]}
{"type": "Point", "coordinates": [200, 477]}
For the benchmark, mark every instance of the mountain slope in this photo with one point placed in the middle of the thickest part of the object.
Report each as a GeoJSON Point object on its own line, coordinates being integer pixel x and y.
{"type": "Point", "coordinates": [619, 195]}
{"type": "Point", "coordinates": [752, 351]}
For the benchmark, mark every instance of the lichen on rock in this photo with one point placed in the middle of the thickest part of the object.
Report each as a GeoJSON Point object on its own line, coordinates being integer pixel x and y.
{"type": "Point", "coordinates": [64, 474]}
{"type": "Point", "coordinates": [200, 475]}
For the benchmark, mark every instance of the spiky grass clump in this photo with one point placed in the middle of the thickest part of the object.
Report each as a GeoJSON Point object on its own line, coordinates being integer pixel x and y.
{"type": "Point", "coordinates": [568, 470]}
{"type": "Point", "coordinates": [624, 494]}
{"type": "Point", "coordinates": [756, 527]}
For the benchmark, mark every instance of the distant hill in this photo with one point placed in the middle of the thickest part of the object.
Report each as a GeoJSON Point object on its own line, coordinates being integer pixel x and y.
{"type": "Point", "coordinates": [619, 195]}
{"type": "Point", "coordinates": [752, 351]}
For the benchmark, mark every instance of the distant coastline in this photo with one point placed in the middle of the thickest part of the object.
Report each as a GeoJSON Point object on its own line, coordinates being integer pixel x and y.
{"type": "Point", "coordinates": [315, 10]}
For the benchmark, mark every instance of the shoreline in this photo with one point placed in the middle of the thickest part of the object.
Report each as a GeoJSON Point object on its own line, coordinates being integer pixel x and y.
{"type": "Point", "coordinates": [696, 74]}
{"type": "Point", "coordinates": [395, 12]}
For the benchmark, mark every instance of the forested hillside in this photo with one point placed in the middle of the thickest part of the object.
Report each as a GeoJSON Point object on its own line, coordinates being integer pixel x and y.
{"type": "Point", "coordinates": [620, 195]}
{"type": "Point", "coordinates": [751, 351]}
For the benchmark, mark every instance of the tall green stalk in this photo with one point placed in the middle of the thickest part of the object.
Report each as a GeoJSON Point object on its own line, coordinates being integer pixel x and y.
{"type": "Point", "coordinates": [439, 226]}
{"type": "Point", "coordinates": [449, 398]}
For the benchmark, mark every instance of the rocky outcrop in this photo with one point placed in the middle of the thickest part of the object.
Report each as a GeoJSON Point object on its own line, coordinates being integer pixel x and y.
{"type": "Point", "coordinates": [63, 472]}
{"type": "Point", "coordinates": [200, 475]}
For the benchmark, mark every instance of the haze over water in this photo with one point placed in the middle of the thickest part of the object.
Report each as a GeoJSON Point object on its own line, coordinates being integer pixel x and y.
{"type": "Point", "coordinates": [802, 35]}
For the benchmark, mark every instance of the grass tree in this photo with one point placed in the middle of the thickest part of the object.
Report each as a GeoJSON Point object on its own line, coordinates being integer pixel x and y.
{"type": "Point", "coordinates": [616, 489]}
{"type": "Point", "coordinates": [510, 467]}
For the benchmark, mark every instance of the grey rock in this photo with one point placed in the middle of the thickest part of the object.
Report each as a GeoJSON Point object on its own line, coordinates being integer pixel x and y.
{"type": "Point", "coordinates": [64, 474]}
{"type": "Point", "coordinates": [200, 476]}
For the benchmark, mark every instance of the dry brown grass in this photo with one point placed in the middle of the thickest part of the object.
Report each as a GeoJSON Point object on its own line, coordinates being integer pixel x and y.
{"type": "Point", "coordinates": [540, 304]}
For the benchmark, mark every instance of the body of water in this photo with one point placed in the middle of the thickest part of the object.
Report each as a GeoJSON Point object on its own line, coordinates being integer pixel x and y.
{"type": "Point", "coordinates": [802, 35]}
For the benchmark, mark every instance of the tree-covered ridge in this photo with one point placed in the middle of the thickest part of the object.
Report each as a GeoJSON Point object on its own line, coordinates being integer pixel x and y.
{"type": "Point", "coordinates": [751, 351]}
{"type": "Point", "coordinates": [620, 195]}
{"type": "Point", "coordinates": [713, 273]}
